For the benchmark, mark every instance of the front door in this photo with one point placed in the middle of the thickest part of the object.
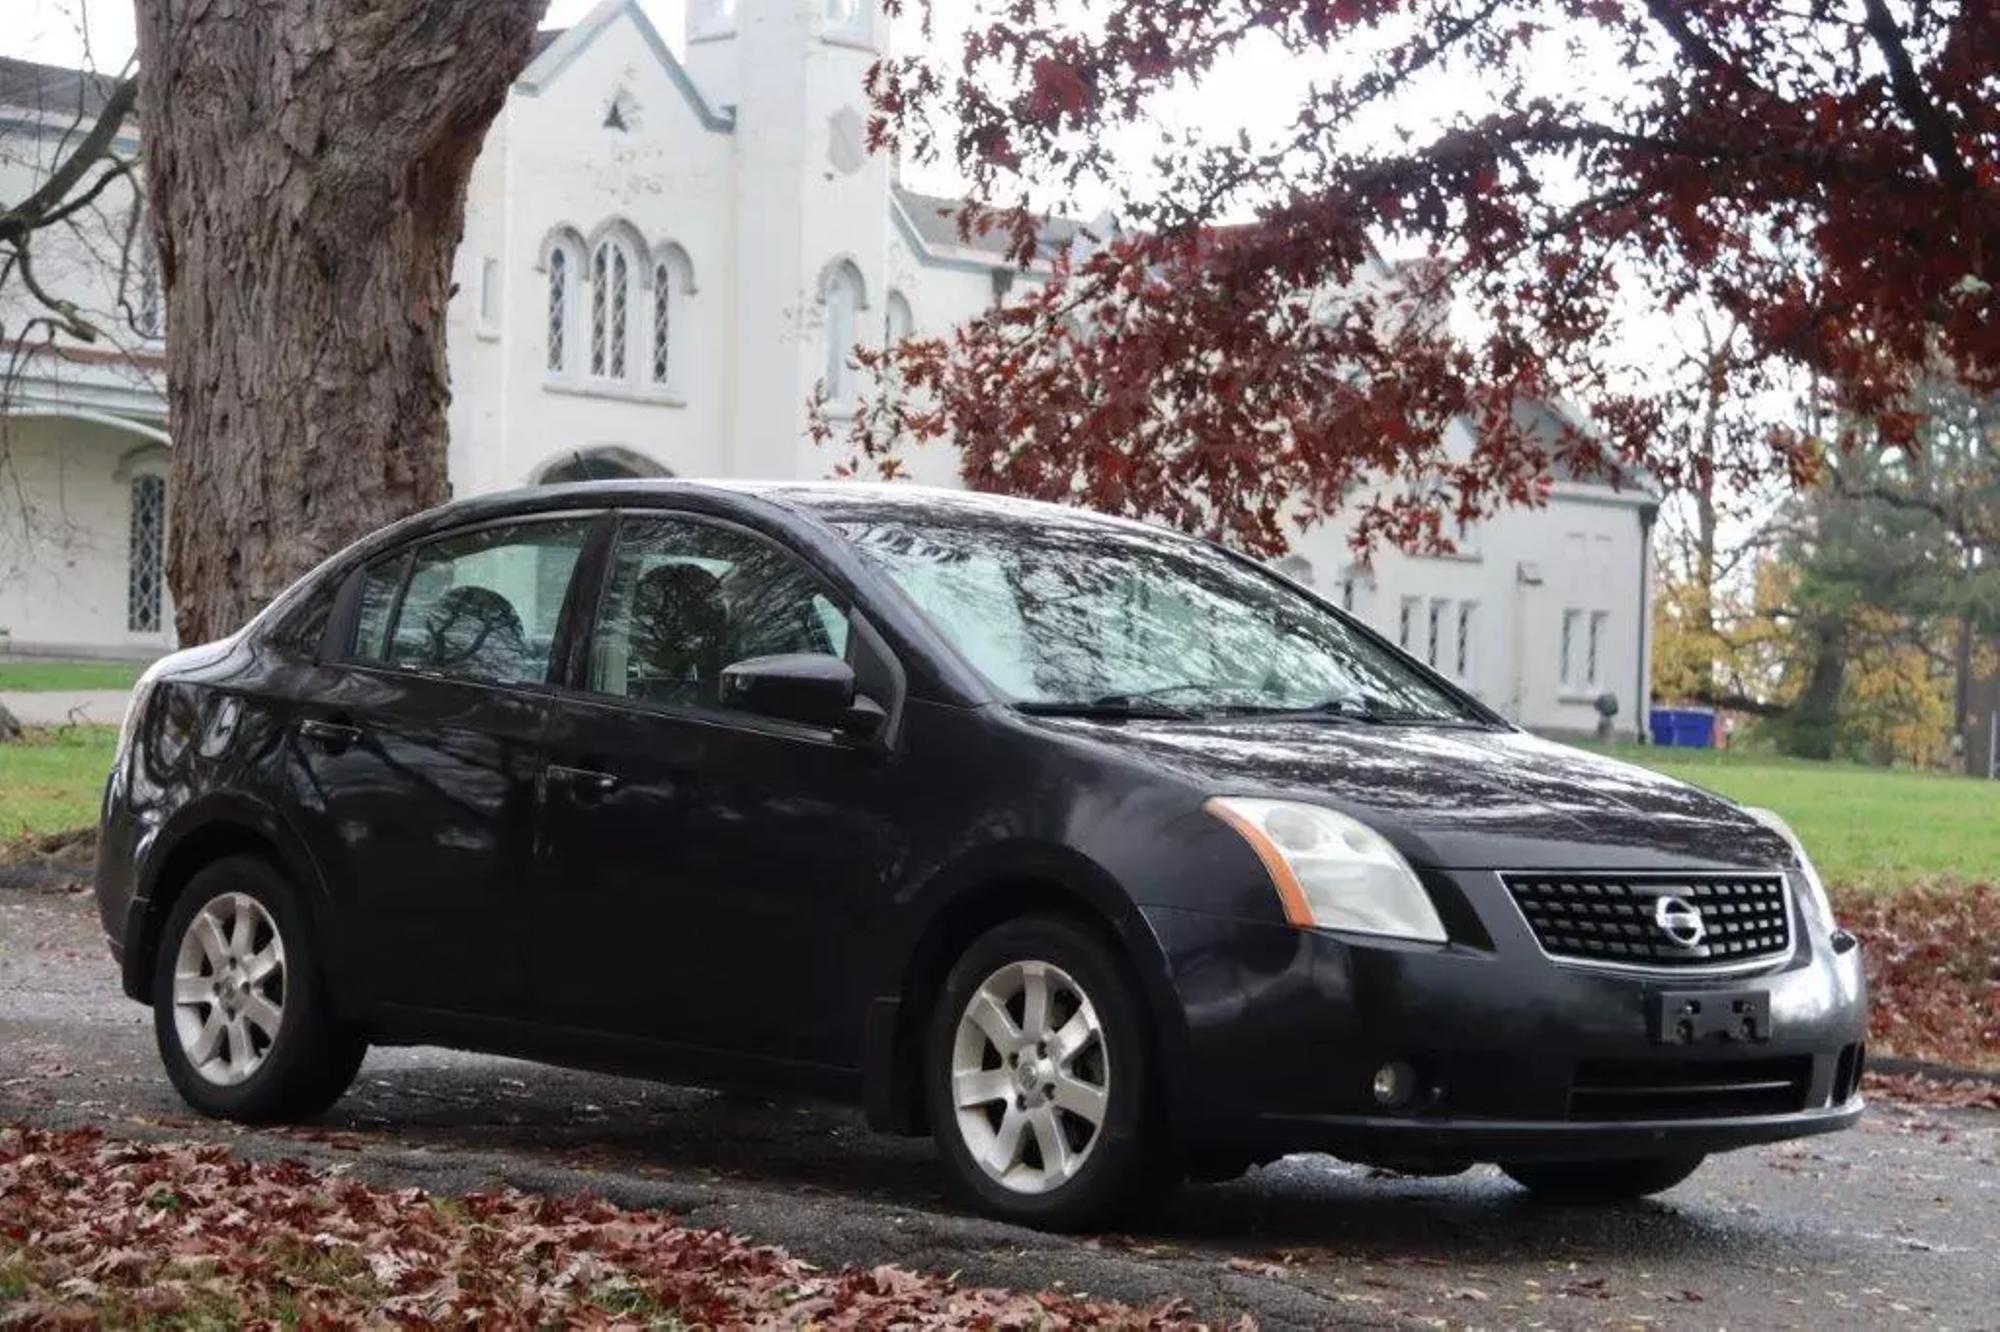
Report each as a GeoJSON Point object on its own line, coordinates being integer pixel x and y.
{"type": "Point", "coordinates": [704, 872]}
{"type": "Point", "coordinates": [422, 759]}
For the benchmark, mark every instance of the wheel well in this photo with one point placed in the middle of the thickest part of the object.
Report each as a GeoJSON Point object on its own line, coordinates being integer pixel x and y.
{"type": "Point", "coordinates": [899, 1105]}
{"type": "Point", "coordinates": [199, 849]}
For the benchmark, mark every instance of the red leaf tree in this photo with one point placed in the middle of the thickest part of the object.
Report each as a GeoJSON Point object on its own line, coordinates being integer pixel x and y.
{"type": "Point", "coordinates": [1235, 357]}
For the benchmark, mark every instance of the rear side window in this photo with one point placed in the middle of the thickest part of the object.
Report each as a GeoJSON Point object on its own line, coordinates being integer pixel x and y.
{"type": "Point", "coordinates": [481, 605]}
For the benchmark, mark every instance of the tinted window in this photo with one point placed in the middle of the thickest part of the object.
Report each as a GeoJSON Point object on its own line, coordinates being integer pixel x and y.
{"type": "Point", "coordinates": [1061, 611]}
{"type": "Point", "coordinates": [484, 605]}
{"type": "Point", "coordinates": [379, 587]}
{"type": "Point", "coordinates": [684, 599]}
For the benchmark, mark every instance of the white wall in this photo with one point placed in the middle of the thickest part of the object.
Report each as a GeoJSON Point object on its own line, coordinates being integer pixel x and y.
{"type": "Point", "coordinates": [65, 521]}
{"type": "Point", "coordinates": [1519, 571]}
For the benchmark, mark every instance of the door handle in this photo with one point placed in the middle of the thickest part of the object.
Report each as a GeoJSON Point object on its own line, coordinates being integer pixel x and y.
{"type": "Point", "coordinates": [582, 779]}
{"type": "Point", "coordinates": [334, 737]}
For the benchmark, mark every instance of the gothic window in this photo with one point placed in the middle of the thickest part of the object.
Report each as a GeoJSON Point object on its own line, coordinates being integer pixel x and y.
{"type": "Point", "coordinates": [663, 323]}
{"type": "Point", "coordinates": [843, 298]}
{"type": "Point", "coordinates": [149, 308]}
{"type": "Point", "coordinates": [897, 321]}
{"type": "Point", "coordinates": [558, 306]}
{"type": "Point", "coordinates": [146, 560]}
{"type": "Point", "coordinates": [610, 283]}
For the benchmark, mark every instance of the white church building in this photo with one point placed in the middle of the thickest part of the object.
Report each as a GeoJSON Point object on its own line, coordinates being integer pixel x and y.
{"type": "Point", "coordinates": [665, 254]}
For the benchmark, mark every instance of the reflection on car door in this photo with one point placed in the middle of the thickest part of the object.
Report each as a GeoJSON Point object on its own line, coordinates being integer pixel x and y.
{"type": "Point", "coordinates": [704, 872]}
{"type": "Point", "coordinates": [421, 759]}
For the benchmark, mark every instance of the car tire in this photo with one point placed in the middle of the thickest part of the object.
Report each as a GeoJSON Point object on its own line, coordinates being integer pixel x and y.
{"type": "Point", "coordinates": [240, 1010]}
{"type": "Point", "coordinates": [1016, 1150]}
{"type": "Point", "coordinates": [1601, 1181]}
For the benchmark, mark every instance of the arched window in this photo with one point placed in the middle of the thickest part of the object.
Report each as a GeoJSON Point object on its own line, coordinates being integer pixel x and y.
{"type": "Point", "coordinates": [843, 297]}
{"type": "Point", "coordinates": [663, 324]}
{"type": "Point", "coordinates": [558, 307]}
{"type": "Point", "coordinates": [149, 310]}
{"type": "Point", "coordinates": [610, 288]}
{"type": "Point", "coordinates": [145, 565]}
{"type": "Point", "coordinates": [897, 320]}
{"type": "Point", "coordinates": [673, 283]}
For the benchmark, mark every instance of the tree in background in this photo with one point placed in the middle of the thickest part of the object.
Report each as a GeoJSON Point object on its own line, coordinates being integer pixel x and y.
{"type": "Point", "coordinates": [306, 161]}
{"type": "Point", "coordinates": [1713, 639]}
{"type": "Point", "coordinates": [1885, 584]}
{"type": "Point", "coordinates": [1827, 177]}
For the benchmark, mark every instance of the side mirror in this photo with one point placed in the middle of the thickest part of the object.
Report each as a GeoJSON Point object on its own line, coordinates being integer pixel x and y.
{"type": "Point", "coordinates": [811, 688]}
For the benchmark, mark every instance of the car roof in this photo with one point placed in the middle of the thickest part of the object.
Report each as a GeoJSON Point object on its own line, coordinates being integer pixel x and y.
{"type": "Point", "coordinates": [829, 500]}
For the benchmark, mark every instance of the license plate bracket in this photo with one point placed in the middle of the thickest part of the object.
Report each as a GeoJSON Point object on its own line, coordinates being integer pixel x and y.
{"type": "Point", "coordinates": [1690, 1017]}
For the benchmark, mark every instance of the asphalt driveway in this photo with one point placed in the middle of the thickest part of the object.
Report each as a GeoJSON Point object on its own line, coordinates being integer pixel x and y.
{"type": "Point", "coordinates": [1892, 1224]}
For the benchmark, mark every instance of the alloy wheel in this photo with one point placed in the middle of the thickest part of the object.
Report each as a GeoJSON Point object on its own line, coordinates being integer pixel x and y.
{"type": "Point", "coordinates": [229, 988]}
{"type": "Point", "coordinates": [1031, 1077]}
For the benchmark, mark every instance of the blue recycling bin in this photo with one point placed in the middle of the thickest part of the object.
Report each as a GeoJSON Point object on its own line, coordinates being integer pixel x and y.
{"type": "Point", "coordinates": [1683, 728]}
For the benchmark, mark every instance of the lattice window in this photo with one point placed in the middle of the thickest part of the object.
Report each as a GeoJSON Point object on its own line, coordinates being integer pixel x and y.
{"type": "Point", "coordinates": [558, 306]}
{"type": "Point", "coordinates": [619, 287]}
{"type": "Point", "coordinates": [146, 561]}
{"type": "Point", "coordinates": [1465, 618]}
{"type": "Point", "coordinates": [663, 323]}
{"type": "Point", "coordinates": [610, 277]}
{"type": "Point", "coordinates": [149, 311]}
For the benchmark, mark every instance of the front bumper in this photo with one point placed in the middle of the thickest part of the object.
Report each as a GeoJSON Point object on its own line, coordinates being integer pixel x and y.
{"type": "Point", "coordinates": [1517, 1057]}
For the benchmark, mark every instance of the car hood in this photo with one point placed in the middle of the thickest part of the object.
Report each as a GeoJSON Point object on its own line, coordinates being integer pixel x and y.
{"type": "Point", "coordinates": [1457, 798]}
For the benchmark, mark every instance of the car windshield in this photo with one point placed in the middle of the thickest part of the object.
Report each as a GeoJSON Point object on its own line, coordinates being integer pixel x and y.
{"type": "Point", "coordinates": [1080, 614]}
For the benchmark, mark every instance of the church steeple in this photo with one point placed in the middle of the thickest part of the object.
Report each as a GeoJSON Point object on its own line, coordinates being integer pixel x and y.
{"type": "Point", "coordinates": [722, 35]}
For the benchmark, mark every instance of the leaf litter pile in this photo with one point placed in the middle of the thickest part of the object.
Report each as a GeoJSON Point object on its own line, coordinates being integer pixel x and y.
{"type": "Point", "coordinates": [95, 1230]}
{"type": "Point", "coordinates": [1933, 957]}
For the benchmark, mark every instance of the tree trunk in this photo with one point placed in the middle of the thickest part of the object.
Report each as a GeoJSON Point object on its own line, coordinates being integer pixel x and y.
{"type": "Point", "coordinates": [306, 162]}
{"type": "Point", "coordinates": [1810, 729]}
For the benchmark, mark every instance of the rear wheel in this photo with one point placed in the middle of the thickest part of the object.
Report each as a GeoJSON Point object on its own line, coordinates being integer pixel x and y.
{"type": "Point", "coordinates": [1040, 1079]}
{"type": "Point", "coordinates": [240, 1012]}
{"type": "Point", "coordinates": [1601, 1181]}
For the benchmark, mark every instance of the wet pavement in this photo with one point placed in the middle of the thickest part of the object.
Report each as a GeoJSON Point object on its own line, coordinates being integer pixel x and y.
{"type": "Point", "coordinates": [1894, 1224]}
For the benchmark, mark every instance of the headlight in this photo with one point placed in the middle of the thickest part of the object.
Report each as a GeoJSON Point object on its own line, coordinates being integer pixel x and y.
{"type": "Point", "coordinates": [1818, 905]}
{"type": "Point", "coordinates": [135, 709]}
{"type": "Point", "coordinates": [1331, 871]}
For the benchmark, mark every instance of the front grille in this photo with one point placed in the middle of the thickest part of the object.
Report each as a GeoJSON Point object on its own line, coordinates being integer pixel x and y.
{"type": "Point", "coordinates": [1688, 1088]}
{"type": "Point", "coordinates": [1618, 918]}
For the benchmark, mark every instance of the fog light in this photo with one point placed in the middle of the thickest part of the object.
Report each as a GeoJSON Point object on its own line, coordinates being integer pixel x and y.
{"type": "Point", "coordinates": [1395, 1084]}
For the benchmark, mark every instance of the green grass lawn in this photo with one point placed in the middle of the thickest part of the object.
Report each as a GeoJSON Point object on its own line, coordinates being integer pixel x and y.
{"type": "Point", "coordinates": [42, 677]}
{"type": "Point", "coordinates": [51, 782]}
{"type": "Point", "coordinates": [1865, 827]}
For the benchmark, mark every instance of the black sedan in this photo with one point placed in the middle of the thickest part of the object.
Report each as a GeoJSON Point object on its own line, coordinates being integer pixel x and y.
{"type": "Point", "coordinates": [1104, 855]}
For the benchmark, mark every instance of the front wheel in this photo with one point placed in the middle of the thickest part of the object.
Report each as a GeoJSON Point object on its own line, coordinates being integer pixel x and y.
{"type": "Point", "coordinates": [1601, 1181]}
{"type": "Point", "coordinates": [1040, 1079]}
{"type": "Point", "coordinates": [240, 1011]}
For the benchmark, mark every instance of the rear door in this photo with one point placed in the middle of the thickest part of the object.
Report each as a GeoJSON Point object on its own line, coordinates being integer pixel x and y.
{"type": "Point", "coordinates": [707, 875]}
{"type": "Point", "coordinates": [419, 765]}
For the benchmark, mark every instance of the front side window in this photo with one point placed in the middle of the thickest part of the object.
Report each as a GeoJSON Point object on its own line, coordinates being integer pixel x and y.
{"type": "Point", "coordinates": [482, 605]}
{"type": "Point", "coordinates": [683, 599]}
{"type": "Point", "coordinates": [1076, 613]}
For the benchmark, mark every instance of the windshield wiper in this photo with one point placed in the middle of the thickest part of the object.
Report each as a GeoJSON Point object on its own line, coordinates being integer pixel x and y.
{"type": "Point", "coordinates": [1123, 706]}
{"type": "Point", "coordinates": [1350, 708]}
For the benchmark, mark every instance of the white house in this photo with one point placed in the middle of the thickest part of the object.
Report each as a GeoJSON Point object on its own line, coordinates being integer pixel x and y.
{"type": "Point", "coordinates": [663, 256]}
